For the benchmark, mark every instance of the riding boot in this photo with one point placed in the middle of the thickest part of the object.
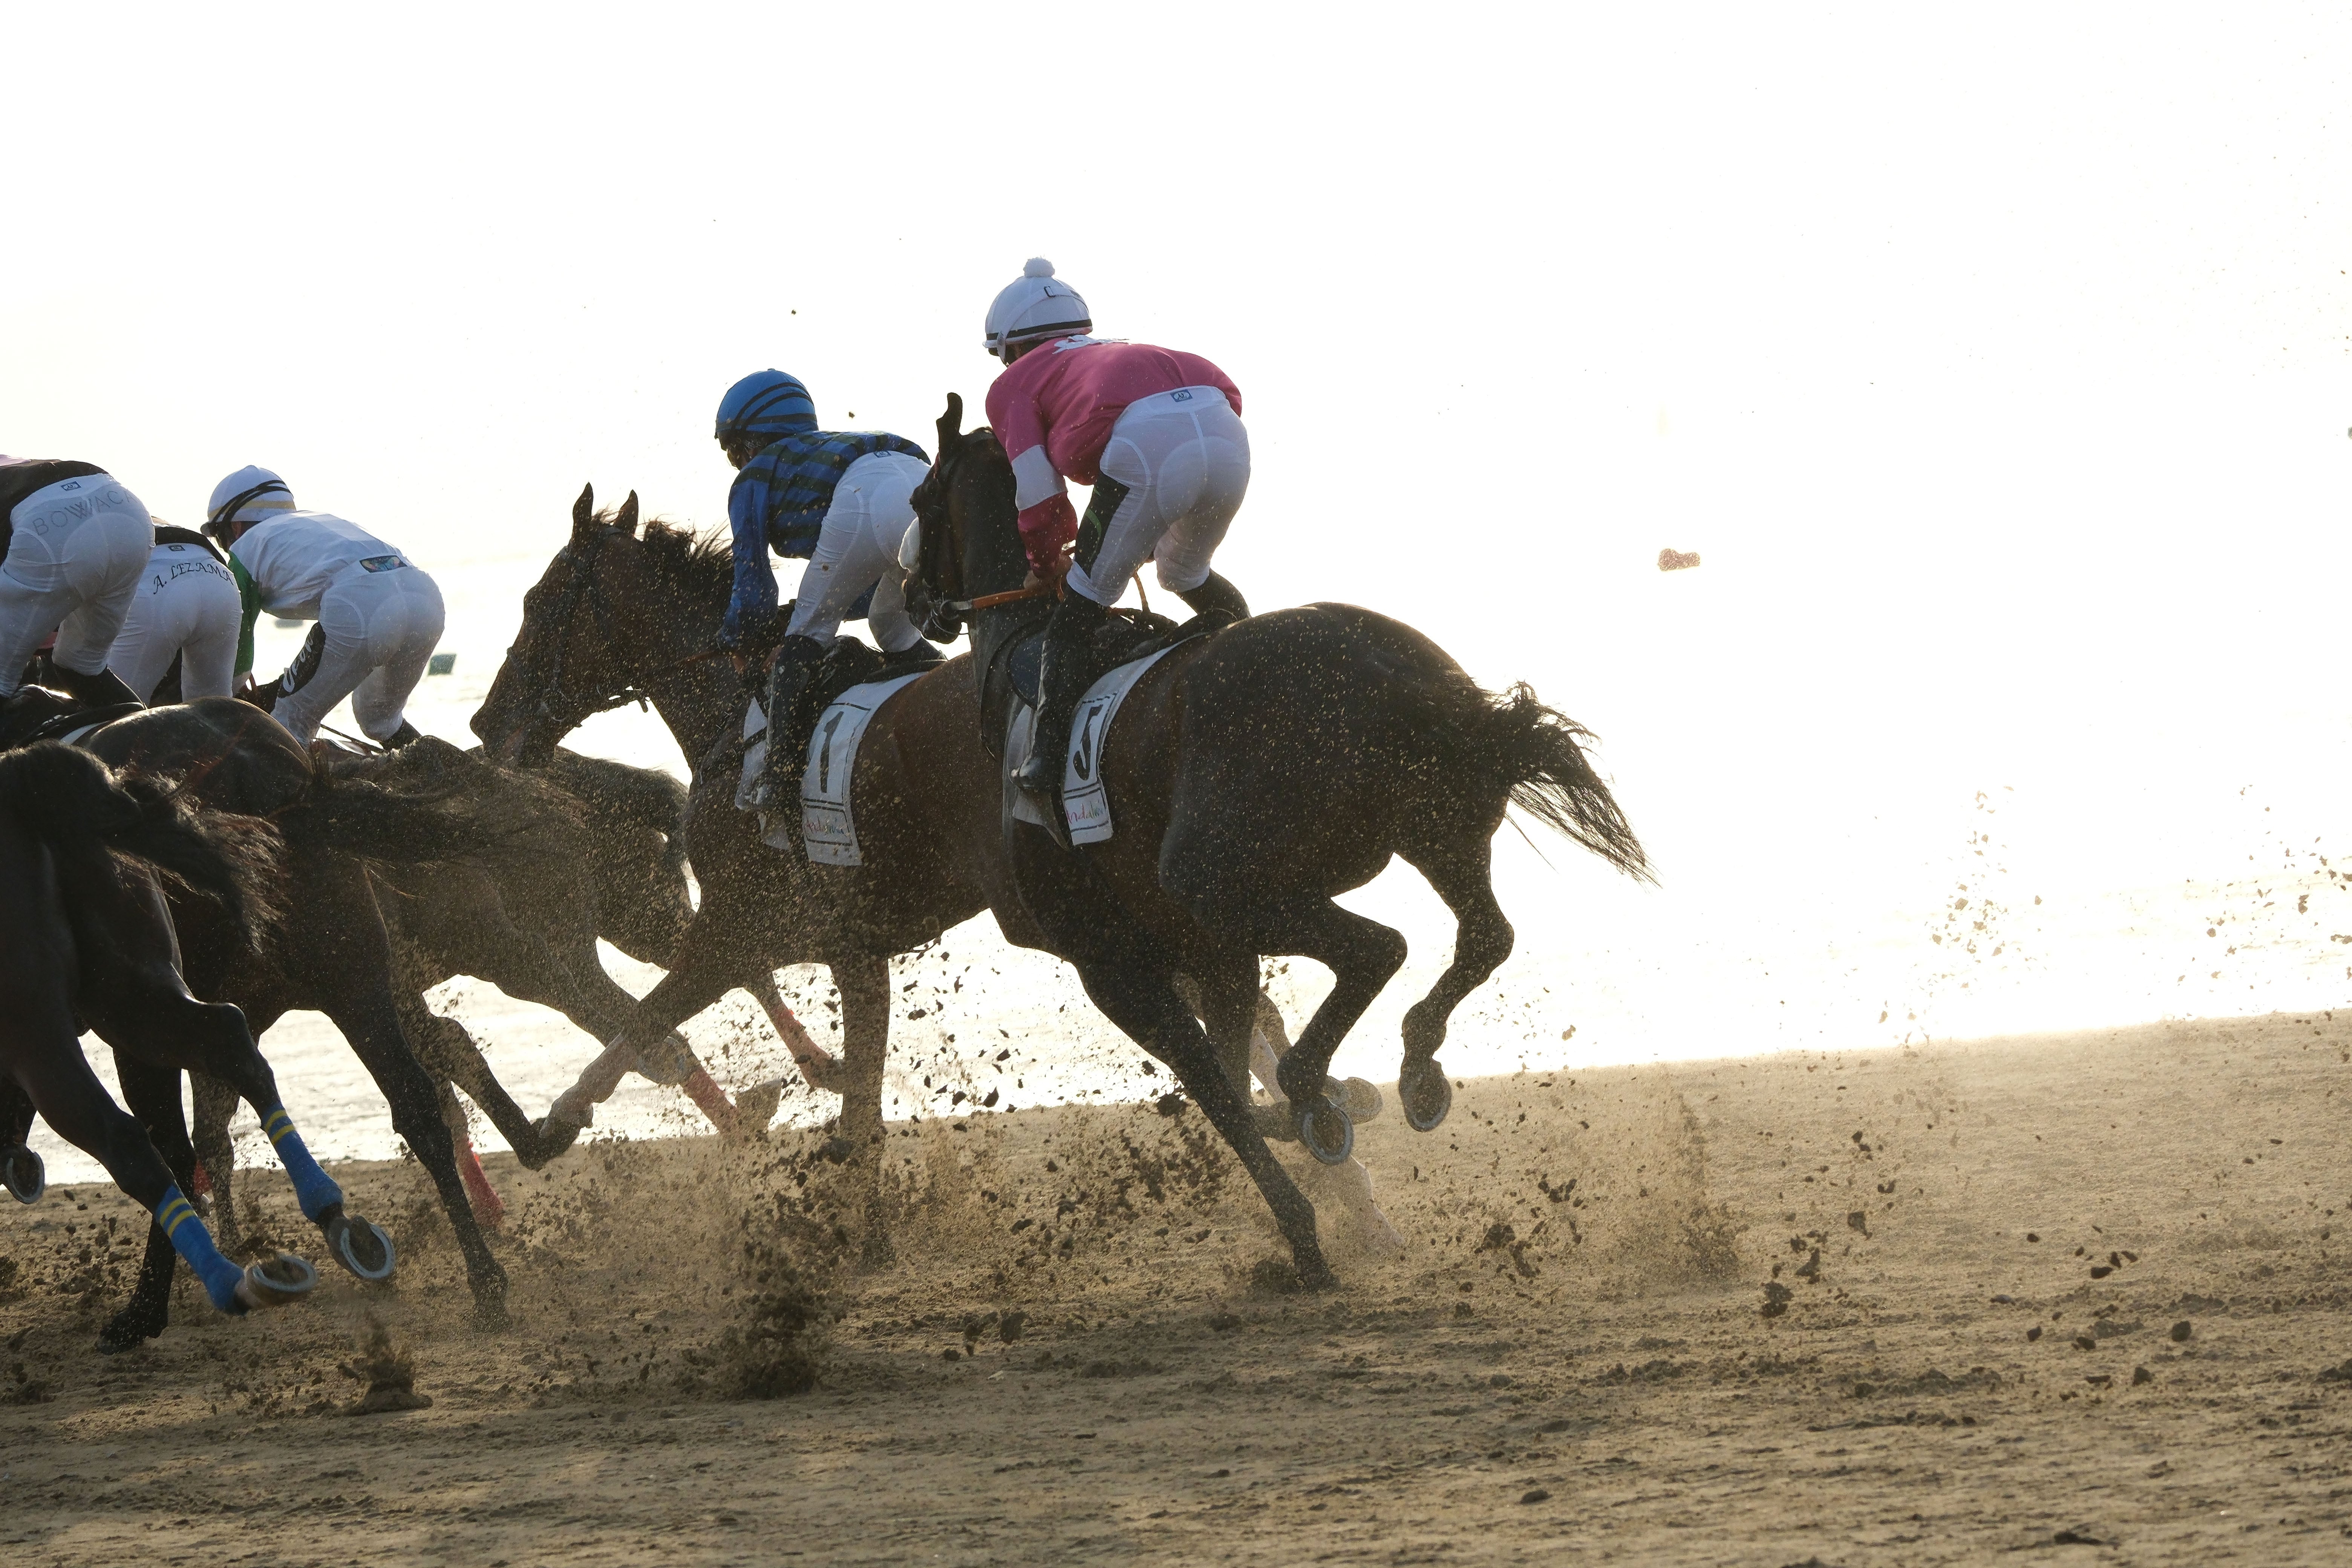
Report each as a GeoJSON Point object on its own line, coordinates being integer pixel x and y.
{"type": "Point", "coordinates": [1214, 594]}
{"type": "Point", "coordinates": [1068, 669]}
{"type": "Point", "coordinates": [104, 689]}
{"type": "Point", "coordinates": [924, 652]}
{"type": "Point", "coordinates": [402, 736]}
{"type": "Point", "coordinates": [789, 679]}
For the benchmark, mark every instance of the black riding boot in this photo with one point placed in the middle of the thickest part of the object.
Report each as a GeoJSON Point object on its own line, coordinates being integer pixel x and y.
{"type": "Point", "coordinates": [402, 736]}
{"type": "Point", "coordinates": [1216, 593]}
{"type": "Point", "coordinates": [789, 678]}
{"type": "Point", "coordinates": [1068, 668]}
{"type": "Point", "coordinates": [104, 689]}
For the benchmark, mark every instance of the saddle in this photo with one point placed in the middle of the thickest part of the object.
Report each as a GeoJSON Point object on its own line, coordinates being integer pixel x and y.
{"type": "Point", "coordinates": [1124, 636]}
{"type": "Point", "coordinates": [37, 713]}
{"type": "Point", "coordinates": [848, 663]}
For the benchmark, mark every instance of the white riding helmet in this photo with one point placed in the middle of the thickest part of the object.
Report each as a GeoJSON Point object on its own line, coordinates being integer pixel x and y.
{"type": "Point", "coordinates": [1034, 305]}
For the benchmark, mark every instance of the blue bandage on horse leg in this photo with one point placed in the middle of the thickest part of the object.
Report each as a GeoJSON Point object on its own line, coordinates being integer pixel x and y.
{"type": "Point", "coordinates": [192, 1241]}
{"type": "Point", "coordinates": [313, 1187]}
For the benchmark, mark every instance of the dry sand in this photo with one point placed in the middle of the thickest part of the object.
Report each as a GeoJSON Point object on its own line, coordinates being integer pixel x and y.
{"type": "Point", "coordinates": [1572, 1360]}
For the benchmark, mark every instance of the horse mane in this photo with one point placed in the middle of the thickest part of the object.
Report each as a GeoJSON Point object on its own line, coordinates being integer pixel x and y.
{"type": "Point", "coordinates": [700, 564]}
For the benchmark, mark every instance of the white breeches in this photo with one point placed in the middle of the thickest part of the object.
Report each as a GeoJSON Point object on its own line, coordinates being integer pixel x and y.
{"type": "Point", "coordinates": [379, 629]}
{"type": "Point", "coordinates": [1185, 461]}
{"type": "Point", "coordinates": [185, 606]}
{"type": "Point", "coordinates": [73, 562]}
{"type": "Point", "coordinates": [872, 508]}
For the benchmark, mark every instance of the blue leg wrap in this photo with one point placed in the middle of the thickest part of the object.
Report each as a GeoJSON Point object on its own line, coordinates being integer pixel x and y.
{"type": "Point", "coordinates": [313, 1187]}
{"type": "Point", "coordinates": [192, 1241]}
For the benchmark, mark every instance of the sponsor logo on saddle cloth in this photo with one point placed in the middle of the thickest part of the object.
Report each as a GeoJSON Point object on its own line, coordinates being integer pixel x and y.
{"type": "Point", "coordinates": [1086, 802]}
{"type": "Point", "coordinates": [826, 826]}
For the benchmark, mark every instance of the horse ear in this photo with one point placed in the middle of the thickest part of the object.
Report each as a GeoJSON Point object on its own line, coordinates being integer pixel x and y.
{"type": "Point", "coordinates": [628, 521]}
{"type": "Point", "coordinates": [584, 510]}
{"type": "Point", "coordinates": [952, 423]}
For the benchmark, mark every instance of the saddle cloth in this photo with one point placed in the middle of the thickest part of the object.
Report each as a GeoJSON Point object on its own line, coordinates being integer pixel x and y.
{"type": "Point", "coordinates": [1085, 802]}
{"type": "Point", "coordinates": [827, 829]}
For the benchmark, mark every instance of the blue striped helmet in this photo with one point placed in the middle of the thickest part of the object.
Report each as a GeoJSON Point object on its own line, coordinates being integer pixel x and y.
{"type": "Point", "coordinates": [766, 403]}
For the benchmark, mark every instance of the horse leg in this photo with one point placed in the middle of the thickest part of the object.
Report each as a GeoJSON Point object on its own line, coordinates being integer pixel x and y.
{"type": "Point", "coordinates": [215, 1106]}
{"type": "Point", "coordinates": [147, 1012]}
{"type": "Point", "coordinates": [817, 1065]}
{"type": "Point", "coordinates": [1461, 874]}
{"type": "Point", "coordinates": [1362, 954]}
{"type": "Point", "coordinates": [153, 1095]}
{"type": "Point", "coordinates": [712, 956]}
{"type": "Point", "coordinates": [489, 1209]}
{"type": "Point", "coordinates": [370, 1021]}
{"type": "Point", "coordinates": [51, 1070]}
{"type": "Point", "coordinates": [20, 1167]}
{"type": "Point", "coordinates": [1240, 1020]}
{"type": "Point", "coordinates": [1145, 1006]}
{"type": "Point", "coordinates": [865, 986]}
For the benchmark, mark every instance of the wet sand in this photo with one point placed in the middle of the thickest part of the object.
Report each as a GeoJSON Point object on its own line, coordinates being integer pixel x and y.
{"type": "Point", "coordinates": [1772, 1311]}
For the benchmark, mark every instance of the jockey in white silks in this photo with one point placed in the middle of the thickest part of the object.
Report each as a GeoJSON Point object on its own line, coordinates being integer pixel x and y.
{"type": "Point", "coordinates": [188, 607]}
{"type": "Point", "coordinates": [73, 540]}
{"type": "Point", "coordinates": [379, 617]}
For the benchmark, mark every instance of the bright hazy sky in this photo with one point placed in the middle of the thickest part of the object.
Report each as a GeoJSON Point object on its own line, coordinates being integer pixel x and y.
{"type": "Point", "coordinates": [1996, 361]}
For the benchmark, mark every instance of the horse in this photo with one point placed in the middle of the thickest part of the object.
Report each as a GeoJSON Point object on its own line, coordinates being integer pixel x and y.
{"type": "Point", "coordinates": [85, 937]}
{"type": "Point", "coordinates": [1258, 771]}
{"type": "Point", "coordinates": [329, 952]}
{"type": "Point", "coordinates": [625, 609]}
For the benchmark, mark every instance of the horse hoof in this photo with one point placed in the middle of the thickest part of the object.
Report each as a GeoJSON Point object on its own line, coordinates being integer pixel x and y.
{"type": "Point", "coordinates": [1426, 1095]}
{"type": "Point", "coordinates": [1359, 1097]}
{"type": "Point", "coordinates": [361, 1247]}
{"type": "Point", "coordinates": [27, 1177]}
{"type": "Point", "coordinates": [125, 1331]}
{"type": "Point", "coordinates": [836, 1150]}
{"type": "Point", "coordinates": [554, 1137]}
{"type": "Point", "coordinates": [1325, 1131]}
{"type": "Point", "coordinates": [276, 1281]}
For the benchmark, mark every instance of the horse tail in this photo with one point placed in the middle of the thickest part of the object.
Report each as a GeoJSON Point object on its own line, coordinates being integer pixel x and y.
{"type": "Point", "coordinates": [442, 822]}
{"type": "Point", "coordinates": [85, 813]}
{"type": "Point", "coordinates": [1534, 757]}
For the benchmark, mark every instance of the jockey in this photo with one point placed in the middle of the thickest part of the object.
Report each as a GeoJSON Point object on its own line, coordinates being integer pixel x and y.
{"type": "Point", "coordinates": [187, 608]}
{"type": "Point", "coordinates": [840, 498]}
{"type": "Point", "coordinates": [72, 543]}
{"type": "Point", "coordinates": [1159, 436]}
{"type": "Point", "coordinates": [379, 617]}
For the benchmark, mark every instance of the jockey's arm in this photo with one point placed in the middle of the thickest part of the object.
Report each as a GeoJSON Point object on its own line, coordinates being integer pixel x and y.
{"type": "Point", "coordinates": [753, 604]}
{"type": "Point", "coordinates": [1048, 521]}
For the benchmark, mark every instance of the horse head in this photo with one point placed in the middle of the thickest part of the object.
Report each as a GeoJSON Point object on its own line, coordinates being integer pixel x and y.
{"type": "Point", "coordinates": [587, 624]}
{"type": "Point", "coordinates": [967, 532]}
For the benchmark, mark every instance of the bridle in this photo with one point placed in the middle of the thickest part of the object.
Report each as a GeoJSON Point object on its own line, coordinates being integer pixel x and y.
{"type": "Point", "coordinates": [551, 703]}
{"type": "Point", "coordinates": [943, 618]}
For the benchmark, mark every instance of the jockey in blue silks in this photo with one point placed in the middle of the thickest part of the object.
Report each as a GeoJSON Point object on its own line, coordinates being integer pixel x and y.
{"type": "Point", "coordinates": [842, 500]}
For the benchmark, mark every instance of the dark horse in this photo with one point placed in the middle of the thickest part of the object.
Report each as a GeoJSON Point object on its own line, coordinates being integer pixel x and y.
{"type": "Point", "coordinates": [328, 953]}
{"type": "Point", "coordinates": [619, 611]}
{"type": "Point", "coordinates": [623, 611]}
{"type": "Point", "coordinates": [590, 849]}
{"type": "Point", "coordinates": [1256, 773]}
{"type": "Point", "coordinates": [85, 938]}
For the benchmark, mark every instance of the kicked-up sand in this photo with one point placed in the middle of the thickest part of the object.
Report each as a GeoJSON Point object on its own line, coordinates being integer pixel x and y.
{"type": "Point", "coordinates": [2072, 1299]}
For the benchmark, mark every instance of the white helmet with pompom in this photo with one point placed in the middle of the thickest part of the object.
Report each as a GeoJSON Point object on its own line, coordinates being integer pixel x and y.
{"type": "Point", "coordinates": [1033, 306]}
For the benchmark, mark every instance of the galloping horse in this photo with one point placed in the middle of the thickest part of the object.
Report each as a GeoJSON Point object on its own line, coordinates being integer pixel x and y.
{"type": "Point", "coordinates": [1258, 771]}
{"type": "Point", "coordinates": [85, 938]}
{"type": "Point", "coordinates": [624, 612]}
{"type": "Point", "coordinates": [328, 953]}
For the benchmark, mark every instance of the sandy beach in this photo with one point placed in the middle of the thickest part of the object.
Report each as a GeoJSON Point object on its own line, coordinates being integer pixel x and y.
{"type": "Point", "coordinates": [2075, 1296]}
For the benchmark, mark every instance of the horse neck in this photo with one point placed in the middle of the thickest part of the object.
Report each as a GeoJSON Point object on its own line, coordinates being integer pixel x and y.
{"type": "Point", "coordinates": [701, 702]}
{"type": "Point", "coordinates": [995, 562]}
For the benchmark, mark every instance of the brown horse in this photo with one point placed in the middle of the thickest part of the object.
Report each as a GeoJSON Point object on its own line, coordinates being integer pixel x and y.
{"type": "Point", "coordinates": [1257, 772]}
{"type": "Point", "coordinates": [623, 611]}
{"type": "Point", "coordinates": [328, 954]}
